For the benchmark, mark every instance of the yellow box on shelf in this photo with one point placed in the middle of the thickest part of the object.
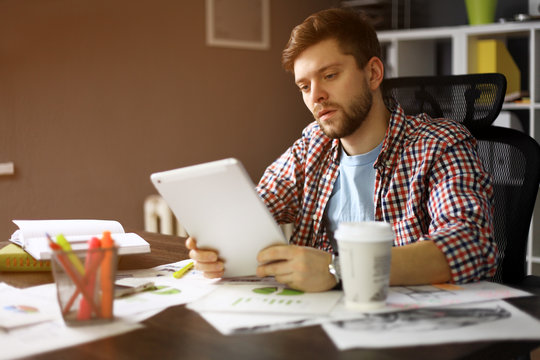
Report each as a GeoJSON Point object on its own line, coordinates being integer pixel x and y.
{"type": "Point", "coordinates": [493, 56]}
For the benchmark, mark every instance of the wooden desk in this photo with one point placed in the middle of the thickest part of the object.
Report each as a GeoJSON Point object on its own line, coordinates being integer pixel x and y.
{"type": "Point", "coordinates": [180, 333]}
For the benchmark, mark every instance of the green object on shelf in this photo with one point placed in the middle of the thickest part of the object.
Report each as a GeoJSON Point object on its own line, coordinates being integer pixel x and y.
{"type": "Point", "coordinates": [481, 11]}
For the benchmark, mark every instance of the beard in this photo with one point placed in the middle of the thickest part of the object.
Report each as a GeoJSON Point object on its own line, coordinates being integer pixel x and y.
{"type": "Point", "coordinates": [350, 118]}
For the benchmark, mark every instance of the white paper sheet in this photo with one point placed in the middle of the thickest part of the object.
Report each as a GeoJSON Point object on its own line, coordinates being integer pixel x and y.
{"type": "Point", "coordinates": [420, 296]}
{"type": "Point", "coordinates": [232, 323]}
{"type": "Point", "coordinates": [399, 298]}
{"type": "Point", "coordinates": [407, 297]}
{"type": "Point", "coordinates": [170, 291]}
{"type": "Point", "coordinates": [42, 331]}
{"type": "Point", "coordinates": [18, 308]}
{"type": "Point", "coordinates": [49, 332]}
{"type": "Point", "coordinates": [495, 320]}
{"type": "Point", "coordinates": [266, 298]}
{"type": "Point", "coordinates": [53, 335]}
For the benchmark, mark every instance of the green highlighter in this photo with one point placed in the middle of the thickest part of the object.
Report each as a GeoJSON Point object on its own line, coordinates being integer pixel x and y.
{"type": "Point", "coordinates": [64, 244]}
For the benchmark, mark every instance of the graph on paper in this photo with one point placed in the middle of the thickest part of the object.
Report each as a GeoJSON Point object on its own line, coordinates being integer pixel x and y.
{"type": "Point", "coordinates": [266, 299]}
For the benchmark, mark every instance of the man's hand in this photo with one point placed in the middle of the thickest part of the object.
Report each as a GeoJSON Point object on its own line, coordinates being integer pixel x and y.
{"type": "Point", "coordinates": [300, 267]}
{"type": "Point", "coordinates": [206, 261]}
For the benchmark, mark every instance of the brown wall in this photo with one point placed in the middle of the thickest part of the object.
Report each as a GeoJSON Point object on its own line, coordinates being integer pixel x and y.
{"type": "Point", "coordinates": [95, 95]}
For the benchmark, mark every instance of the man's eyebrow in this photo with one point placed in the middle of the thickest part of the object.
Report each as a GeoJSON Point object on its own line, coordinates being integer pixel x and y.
{"type": "Point", "coordinates": [319, 71]}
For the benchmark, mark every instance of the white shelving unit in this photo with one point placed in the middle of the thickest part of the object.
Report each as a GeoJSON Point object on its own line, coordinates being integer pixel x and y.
{"type": "Point", "coordinates": [417, 52]}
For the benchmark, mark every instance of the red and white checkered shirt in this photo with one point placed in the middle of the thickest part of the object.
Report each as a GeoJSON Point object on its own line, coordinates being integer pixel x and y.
{"type": "Point", "coordinates": [430, 185]}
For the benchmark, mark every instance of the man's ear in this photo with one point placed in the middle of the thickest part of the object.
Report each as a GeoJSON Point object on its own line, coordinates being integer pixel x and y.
{"type": "Point", "coordinates": [375, 71]}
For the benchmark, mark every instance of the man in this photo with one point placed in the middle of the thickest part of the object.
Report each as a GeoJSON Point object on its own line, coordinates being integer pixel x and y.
{"type": "Point", "coordinates": [365, 160]}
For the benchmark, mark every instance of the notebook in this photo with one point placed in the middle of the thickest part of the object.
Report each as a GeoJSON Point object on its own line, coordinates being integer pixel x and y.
{"type": "Point", "coordinates": [218, 205]}
{"type": "Point", "coordinates": [31, 235]}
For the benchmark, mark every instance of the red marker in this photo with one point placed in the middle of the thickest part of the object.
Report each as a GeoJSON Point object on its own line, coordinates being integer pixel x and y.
{"type": "Point", "coordinates": [91, 264]}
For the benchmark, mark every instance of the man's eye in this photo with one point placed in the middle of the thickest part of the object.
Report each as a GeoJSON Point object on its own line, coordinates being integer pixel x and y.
{"type": "Point", "coordinates": [330, 76]}
{"type": "Point", "coordinates": [303, 88]}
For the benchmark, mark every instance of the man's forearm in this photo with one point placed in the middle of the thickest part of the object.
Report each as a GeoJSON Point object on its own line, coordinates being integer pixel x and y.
{"type": "Point", "coordinates": [418, 263]}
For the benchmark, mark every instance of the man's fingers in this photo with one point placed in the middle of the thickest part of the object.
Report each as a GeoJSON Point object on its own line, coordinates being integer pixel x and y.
{"type": "Point", "coordinates": [275, 253]}
{"type": "Point", "coordinates": [191, 244]}
{"type": "Point", "coordinates": [210, 267]}
{"type": "Point", "coordinates": [213, 275]}
{"type": "Point", "coordinates": [203, 255]}
{"type": "Point", "coordinates": [206, 261]}
{"type": "Point", "coordinates": [274, 269]}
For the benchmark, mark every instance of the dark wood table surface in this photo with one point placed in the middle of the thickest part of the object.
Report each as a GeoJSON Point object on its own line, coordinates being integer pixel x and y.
{"type": "Point", "coordinates": [178, 333]}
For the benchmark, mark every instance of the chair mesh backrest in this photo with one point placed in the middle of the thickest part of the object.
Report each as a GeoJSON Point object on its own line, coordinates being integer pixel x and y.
{"type": "Point", "coordinates": [513, 159]}
{"type": "Point", "coordinates": [510, 156]}
{"type": "Point", "coordinates": [474, 99]}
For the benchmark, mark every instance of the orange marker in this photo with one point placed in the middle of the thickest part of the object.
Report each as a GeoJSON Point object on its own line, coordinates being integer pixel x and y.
{"type": "Point", "coordinates": [107, 290]}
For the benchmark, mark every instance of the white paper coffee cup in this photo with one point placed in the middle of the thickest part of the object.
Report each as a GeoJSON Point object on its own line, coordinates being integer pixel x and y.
{"type": "Point", "coordinates": [364, 258]}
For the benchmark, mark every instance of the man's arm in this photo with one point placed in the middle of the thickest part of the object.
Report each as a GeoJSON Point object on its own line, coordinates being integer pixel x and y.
{"type": "Point", "coordinates": [306, 268]}
{"type": "Point", "coordinates": [459, 205]}
{"type": "Point", "coordinates": [418, 263]}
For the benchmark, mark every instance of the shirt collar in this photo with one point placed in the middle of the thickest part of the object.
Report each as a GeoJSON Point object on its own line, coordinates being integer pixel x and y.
{"type": "Point", "coordinates": [393, 137]}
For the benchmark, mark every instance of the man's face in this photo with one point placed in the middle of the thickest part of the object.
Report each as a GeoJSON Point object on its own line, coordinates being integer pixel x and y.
{"type": "Point", "coordinates": [333, 88]}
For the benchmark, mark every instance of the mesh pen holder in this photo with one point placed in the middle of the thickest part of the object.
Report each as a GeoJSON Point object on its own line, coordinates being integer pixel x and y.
{"type": "Point", "coordinates": [85, 284]}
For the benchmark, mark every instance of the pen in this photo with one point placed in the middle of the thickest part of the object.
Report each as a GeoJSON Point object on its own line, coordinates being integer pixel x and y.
{"type": "Point", "coordinates": [122, 290]}
{"type": "Point", "coordinates": [178, 274]}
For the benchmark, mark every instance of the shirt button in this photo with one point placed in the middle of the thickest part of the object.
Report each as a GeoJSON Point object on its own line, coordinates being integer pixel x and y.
{"type": "Point", "coordinates": [314, 217]}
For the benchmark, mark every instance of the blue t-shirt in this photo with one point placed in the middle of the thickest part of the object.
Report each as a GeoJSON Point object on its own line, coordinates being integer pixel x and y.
{"type": "Point", "coordinates": [352, 195]}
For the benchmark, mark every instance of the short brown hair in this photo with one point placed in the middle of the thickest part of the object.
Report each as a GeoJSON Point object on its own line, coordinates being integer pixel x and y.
{"type": "Point", "coordinates": [354, 35]}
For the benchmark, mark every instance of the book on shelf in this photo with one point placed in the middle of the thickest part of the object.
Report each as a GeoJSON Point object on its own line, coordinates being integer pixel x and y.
{"type": "Point", "coordinates": [14, 258]}
{"type": "Point", "coordinates": [493, 56]}
{"type": "Point", "coordinates": [32, 236]}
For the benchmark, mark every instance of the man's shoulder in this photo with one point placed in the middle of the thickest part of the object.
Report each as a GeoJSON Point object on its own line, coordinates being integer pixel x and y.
{"type": "Point", "coordinates": [422, 126]}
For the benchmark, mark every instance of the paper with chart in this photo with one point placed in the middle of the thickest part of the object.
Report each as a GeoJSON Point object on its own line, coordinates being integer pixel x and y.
{"type": "Point", "coordinates": [52, 335]}
{"type": "Point", "coordinates": [37, 326]}
{"type": "Point", "coordinates": [400, 298]}
{"type": "Point", "coordinates": [406, 297]}
{"type": "Point", "coordinates": [420, 296]}
{"type": "Point", "coordinates": [266, 298]}
{"type": "Point", "coordinates": [493, 320]}
{"type": "Point", "coordinates": [18, 308]}
{"type": "Point", "coordinates": [233, 323]}
{"type": "Point", "coordinates": [168, 291]}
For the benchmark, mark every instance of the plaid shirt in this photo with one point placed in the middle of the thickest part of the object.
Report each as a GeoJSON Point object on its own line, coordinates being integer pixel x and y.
{"type": "Point", "coordinates": [430, 185]}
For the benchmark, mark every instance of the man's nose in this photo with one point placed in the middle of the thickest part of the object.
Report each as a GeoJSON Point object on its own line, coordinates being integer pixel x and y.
{"type": "Point", "coordinates": [318, 93]}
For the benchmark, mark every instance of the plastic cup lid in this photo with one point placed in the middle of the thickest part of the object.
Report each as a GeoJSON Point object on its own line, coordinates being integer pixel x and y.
{"type": "Point", "coordinates": [367, 231]}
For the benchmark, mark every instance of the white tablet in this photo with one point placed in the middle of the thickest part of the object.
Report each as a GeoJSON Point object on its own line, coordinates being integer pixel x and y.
{"type": "Point", "coordinates": [218, 205]}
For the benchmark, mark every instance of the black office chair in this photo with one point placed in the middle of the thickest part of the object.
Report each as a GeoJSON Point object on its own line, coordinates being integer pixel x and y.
{"type": "Point", "coordinates": [512, 157]}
